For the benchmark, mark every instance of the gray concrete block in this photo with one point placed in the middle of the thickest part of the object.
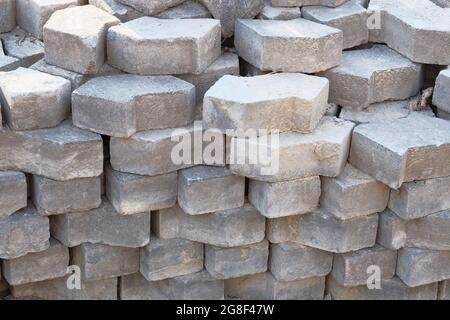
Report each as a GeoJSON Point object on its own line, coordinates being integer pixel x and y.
{"type": "Point", "coordinates": [279, 13]}
{"type": "Point", "coordinates": [7, 15]}
{"type": "Point", "coordinates": [122, 12]}
{"type": "Point", "coordinates": [13, 192]}
{"type": "Point", "coordinates": [7, 63]}
{"type": "Point", "coordinates": [441, 95]}
{"type": "Point", "coordinates": [190, 9]}
{"type": "Point", "coordinates": [300, 3]}
{"type": "Point", "coordinates": [151, 7]}
{"type": "Point", "coordinates": [429, 232]}
{"type": "Point", "coordinates": [391, 231]}
{"type": "Point", "coordinates": [22, 46]}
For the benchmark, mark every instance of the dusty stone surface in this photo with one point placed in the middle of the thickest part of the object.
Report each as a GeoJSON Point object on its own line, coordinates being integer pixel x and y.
{"type": "Point", "coordinates": [122, 12]}
{"type": "Point", "coordinates": [308, 47]}
{"type": "Point", "coordinates": [7, 63]}
{"type": "Point", "coordinates": [299, 3]}
{"type": "Point", "coordinates": [441, 94]}
{"type": "Point", "coordinates": [151, 7]}
{"type": "Point", "coordinates": [429, 232]}
{"type": "Point", "coordinates": [270, 12]}
{"type": "Point", "coordinates": [7, 15]}
{"type": "Point", "coordinates": [190, 9]}
{"type": "Point", "coordinates": [391, 231]}
{"type": "Point", "coordinates": [13, 192]}
{"type": "Point", "coordinates": [22, 46]}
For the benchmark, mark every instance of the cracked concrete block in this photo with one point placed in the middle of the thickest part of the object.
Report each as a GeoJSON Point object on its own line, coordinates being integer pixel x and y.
{"type": "Point", "coordinates": [13, 192]}
{"type": "Point", "coordinates": [22, 46]}
{"type": "Point", "coordinates": [391, 231]}
{"type": "Point", "coordinates": [168, 258]}
{"type": "Point", "coordinates": [243, 103]}
{"type": "Point", "coordinates": [164, 46]}
{"type": "Point", "coordinates": [33, 100]}
{"type": "Point", "coordinates": [353, 194]}
{"type": "Point", "coordinates": [286, 198]}
{"type": "Point", "coordinates": [190, 9]}
{"type": "Point", "coordinates": [60, 153]}
{"type": "Point", "coordinates": [290, 261]}
{"type": "Point", "coordinates": [7, 15]}
{"type": "Point", "coordinates": [419, 152]}
{"type": "Point", "coordinates": [121, 105]}
{"type": "Point", "coordinates": [377, 74]}
{"type": "Point", "coordinates": [131, 193]}
{"type": "Point", "coordinates": [441, 95]}
{"type": "Point", "coordinates": [204, 189]}
{"type": "Point", "coordinates": [295, 155]}
{"type": "Point", "coordinates": [297, 45]}
{"type": "Point", "coordinates": [225, 263]}
{"type": "Point", "coordinates": [75, 38]}
{"type": "Point", "coordinates": [7, 63]}
{"type": "Point", "coordinates": [153, 7]}
{"type": "Point", "coordinates": [22, 233]}
{"type": "Point", "coordinates": [122, 12]}
{"type": "Point", "coordinates": [103, 226]}
{"type": "Point", "coordinates": [48, 264]}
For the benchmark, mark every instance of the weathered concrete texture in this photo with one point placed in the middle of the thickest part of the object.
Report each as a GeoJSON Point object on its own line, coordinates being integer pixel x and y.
{"type": "Point", "coordinates": [296, 155]}
{"type": "Point", "coordinates": [168, 258]}
{"type": "Point", "coordinates": [131, 193]}
{"type": "Point", "coordinates": [13, 192]}
{"type": "Point", "coordinates": [226, 263]}
{"type": "Point", "coordinates": [75, 38]}
{"type": "Point", "coordinates": [418, 267]}
{"type": "Point", "coordinates": [229, 11]}
{"type": "Point", "coordinates": [57, 197]}
{"type": "Point", "coordinates": [417, 199]}
{"type": "Point", "coordinates": [190, 9]}
{"type": "Point", "coordinates": [103, 225]}
{"type": "Point", "coordinates": [122, 12]}
{"type": "Point", "coordinates": [444, 288]}
{"type": "Point", "coordinates": [382, 112]}
{"type": "Point", "coordinates": [353, 194]}
{"type": "Point", "coordinates": [352, 269]}
{"type": "Point", "coordinates": [270, 12]}
{"type": "Point", "coordinates": [7, 15]}
{"type": "Point", "coordinates": [31, 15]}
{"type": "Point", "coordinates": [441, 96]}
{"type": "Point", "coordinates": [164, 46]}
{"type": "Point", "coordinates": [413, 30]}
{"type": "Point", "coordinates": [281, 199]}
{"type": "Point", "coordinates": [300, 3]}
{"type": "Point", "coordinates": [291, 261]}
{"type": "Point", "coordinates": [377, 74]}
{"type": "Point", "coordinates": [20, 45]}
{"type": "Point", "coordinates": [151, 7]}
{"type": "Point", "coordinates": [33, 100]}
{"type": "Point", "coordinates": [419, 152]}
{"type": "Point", "coordinates": [391, 231]}
{"type": "Point", "coordinates": [229, 228]}
{"type": "Point", "coordinates": [7, 63]}
{"type": "Point", "coordinates": [98, 261]}
{"type": "Point", "coordinates": [204, 189]}
{"type": "Point", "coordinates": [350, 17]}
{"type": "Point", "coordinates": [391, 289]}
{"type": "Point", "coordinates": [60, 153]}
{"type": "Point", "coordinates": [297, 45]}
{"type": "Point", "coordinates": [48, 264]}
{"type": "Point", "coordinates": [264, 286]}
{"type": "Point", "coordinates": [22, 233]}
{"type": "Point", "coordinates": [296, 102]}
{"type": "Point", "coordinates": [121, 105]}
{"type": "Point", "coordinates": [227, 63]}
{"type": "Point", "coordinates": [57, 289]}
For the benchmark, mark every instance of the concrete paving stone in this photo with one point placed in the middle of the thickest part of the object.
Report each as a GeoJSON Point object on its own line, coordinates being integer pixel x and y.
{"type": "Point", "coordinates": [151, 7]}
{"type": "Point", "coordinates": [13, 192]}
{"type": "Point", "coordinates": [7, 63]}
{"type": "Point", "coordinates": [270, 12]}
{"type": "Point", "coordinates": [190, 9]}
{"type": "Point", "coordinates": [441, 96]}
{"type": "Point", "coordinates": [429, 232]}
{"type": "Point", "coordinates": [7, 15]}
{"type": "Point", "coordinates": [22, 46]}
{"type": "Point", "coordinates": [300, 3]}
{"type": "Point", "coordinates": [122, 12]}
{"type": "Point", "coordinates": [391, 230]}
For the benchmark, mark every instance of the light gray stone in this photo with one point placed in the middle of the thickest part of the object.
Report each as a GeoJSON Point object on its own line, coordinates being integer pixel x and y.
{"type": "Point", "coordinates": [349, 17]}
{"type": "Point", "coordinates": [190, 9]}
{"type": "Point", "coordinates": [34, 100]}
{"type": "Point", "coordinates": [264, 286]}
{"type": "Point", "coordinates": [131, 193]}
{"type": "Point", "coordinates": [104, 226]}
{"type": "Point", "coordinates": [352, 269]}
{"type": "Point", "coordinates": [295, 155]}
{"type": "Point", "coordinates": [279, 13]}
{"type": "Point", "coordinates": [228, 11]}
{"type": "Point", "coordinates": [121, 105]}
{"type": "Point", "coordinates": [418, 267]}
{"type": "Point", "coordinates": [413, 28]}
{"type": "Point", "coordinates": [48, 264]}
{"type": "Point", "coordinates": [122, 12]}
{"type": "Point", "coordinates": [168, 258]}
{"type": "Point", "coordinates": [204, 189]}
{"type": "Point", "coordinates": [22, 233]}
{"type": "Point", "coordinates": [60, 153]}
{"type": "Point", "coordinates": [7, 63]}
{"type": "Point", "coordinates": [442, 114]}
{"type": "Point", "coordinates": [377, 74]}
{"type": "Point", "coordinates": [229, 228]}
{"type": "Point", "coordinates": [13, 192]}
{"type": "Point", "coordinates": [22, 46]}
{"type": "Point", "coordinates": [353, 194]}
{"type": "Point", "coordinates": [225, 263]}
{"type": "Point", "coordinates": [391, 289]}
{"type": "Point", "coordinates": [391, 231]}
{"type": "Point", "coordinates": [243, 103]}
{"type": "Point", "coordinates": [280, 199]}
{"type": "Point", "coordinates": [57, 197]}
{"type": "Point", "coordinates": [151, 7]}
{"type": "Point", "coordinates": [291, 261]}
{"type": "Point", "coordinates": [297, 45]}
{"type": "Point", "coordinates": [75, 38]}
{"type": "Point", "coordinates": [300, 3]}
{"type": "Point", "coordinates": [164, 46]}
{"type": "Point", "coordinates": [98, 261]}
{"type": "Point", "coordinates": [7, 15]}
{"type": "Point", "coordinates": [56, 289]}
{"type": "Point", "coordinates": [420, 150]}
{"type": "Point", "coordinates": [441, 95]}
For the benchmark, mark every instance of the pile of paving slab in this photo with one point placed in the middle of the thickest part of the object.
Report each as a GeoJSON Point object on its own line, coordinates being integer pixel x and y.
{"type": "Point", "coordinates": [109, 110]}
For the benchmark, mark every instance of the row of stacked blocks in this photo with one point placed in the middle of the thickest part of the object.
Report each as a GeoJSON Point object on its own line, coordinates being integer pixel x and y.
{"type": "Point", "coordinates": [96, 97]}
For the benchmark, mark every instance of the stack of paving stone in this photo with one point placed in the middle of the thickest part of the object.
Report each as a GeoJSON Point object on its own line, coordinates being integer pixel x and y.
{"type": "Point", "coordinates": [352, 202]}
